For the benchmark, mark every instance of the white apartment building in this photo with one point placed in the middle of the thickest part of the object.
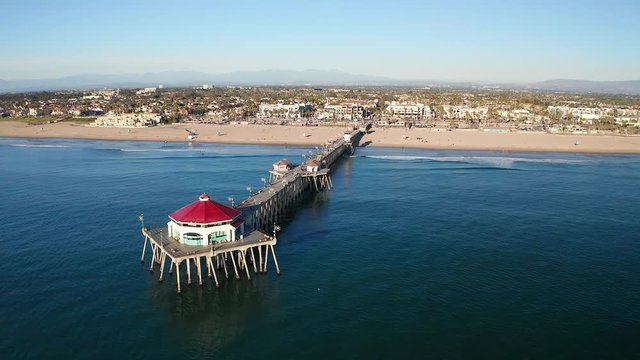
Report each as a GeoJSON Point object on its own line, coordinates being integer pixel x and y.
{"type": "Point", "coordinates": [415, 110]}
{"type": "Point", "coordinates": [465, 112]}
{"type": "Point", "coordinates": [629, 121]}
{"type": "Point", "coordinates": [346, 111]}
{"type": "Point", "coordinates": [145, 91]}
{"type": "Point", "coordinates": [292, 111]}
{"type": "Point", "coordinates": [585, 114]}
{"type": "Point", "coordinates": [127, 120]}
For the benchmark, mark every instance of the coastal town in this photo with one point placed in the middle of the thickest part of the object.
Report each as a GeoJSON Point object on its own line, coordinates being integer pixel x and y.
{"type": "Point", "coordinates": [307, 180]}
{"type": "Point", "coordinates": [437, 109]}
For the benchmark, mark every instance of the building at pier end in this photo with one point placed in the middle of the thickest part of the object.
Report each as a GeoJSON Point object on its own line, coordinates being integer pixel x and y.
{"type": "Point", "coordinates": [205, 222]}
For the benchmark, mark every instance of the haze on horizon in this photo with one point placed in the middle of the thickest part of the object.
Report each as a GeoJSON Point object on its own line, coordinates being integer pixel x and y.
{"type": "Point", "coordinates": [457, 40]}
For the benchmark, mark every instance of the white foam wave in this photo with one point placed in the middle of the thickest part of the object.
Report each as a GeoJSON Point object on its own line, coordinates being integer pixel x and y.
{"type": "Point", "coordinates": [161, 150]}
{"type": "Point", "coordinates": [39, 146]}
{"type": "Point", "coordinates": [485, 160]}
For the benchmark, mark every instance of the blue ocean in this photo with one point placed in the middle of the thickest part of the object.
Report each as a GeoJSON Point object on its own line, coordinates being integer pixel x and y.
{"type": "Point", "coordinates": [413, 254]}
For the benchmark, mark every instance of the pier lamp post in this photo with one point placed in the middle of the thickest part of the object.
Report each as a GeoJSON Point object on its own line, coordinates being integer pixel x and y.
{"type": "Point", "coordinates": [230, 198]}
{"type": "Point", "coordinates": [264, 181]}
{"type": "Point", "coordinates": [141, 218]}
{"type": "Point", "coordinates": [249, 190]}
{"type": "Point", "coordinates": [276, 227]}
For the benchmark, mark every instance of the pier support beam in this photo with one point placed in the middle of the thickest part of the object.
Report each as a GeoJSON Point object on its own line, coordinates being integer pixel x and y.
{"type": "Point", "coordinates": [164, 258]}
{"type": "Point", "coordinates": [244, 262]}
{"type": "Point", "coordinates": [153, 255]}
{"type": "Point", "coordinates": [224, 266]}
{"type": "Point", "coordinates": [273, 253]}
{"type": "Point", "coordinates": [188, 272]}
{"type": "Point", "coordinates": [266, 259]}
{"type": "Point", "coordinates": [253, 261]}
{"type": "Point", "coordinates": [235, 268]}
{"type": "Point", "coordinates": [178, 275]}
{"type": "Point", "coordinates": [144, 249]}
{"type": "Point", "coordinates": [199, 267]}
{"type": "Point", "coordinates": [213, 270]}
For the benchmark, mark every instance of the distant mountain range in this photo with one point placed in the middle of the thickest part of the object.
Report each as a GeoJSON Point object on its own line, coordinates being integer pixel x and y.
{"type": "Point", "coordinates": [293, 78]}
{"type": "Point", "coordinates": [192, 78]}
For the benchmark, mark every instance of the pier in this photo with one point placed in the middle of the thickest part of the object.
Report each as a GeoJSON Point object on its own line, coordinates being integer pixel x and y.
{"type": "Point", "coordinates": [266, 207]}
{"type": "Point", "coordinates": [233, 240]}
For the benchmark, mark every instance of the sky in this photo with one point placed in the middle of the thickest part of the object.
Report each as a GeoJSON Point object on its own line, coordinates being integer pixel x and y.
{"type": "Point", "coordinates": [454, 40]}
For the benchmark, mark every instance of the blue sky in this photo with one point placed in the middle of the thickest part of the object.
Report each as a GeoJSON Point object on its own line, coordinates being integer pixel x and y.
{"type": "Point", "coordinates": [440, 40]}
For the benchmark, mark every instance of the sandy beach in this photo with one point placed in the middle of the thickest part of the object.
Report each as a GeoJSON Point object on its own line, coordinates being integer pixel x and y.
{"type": "Point", "coordinates": [293, 135]}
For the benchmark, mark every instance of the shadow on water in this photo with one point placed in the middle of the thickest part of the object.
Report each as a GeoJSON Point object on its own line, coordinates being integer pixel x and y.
{"type": "Point", "coordinates": [219, 316]}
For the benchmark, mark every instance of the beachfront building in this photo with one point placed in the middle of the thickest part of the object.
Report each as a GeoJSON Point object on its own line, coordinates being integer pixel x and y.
{"type": "Point", "coordinates": [205, 222]}
{"type": "Point", "coordinates": [586, 115]}
{"type": "Point", "coordinates": [628, 121]}
{"type": "Point", "coordinates": [465, 112]}
{"type": "Point", "coordinates": [344, 111]}
{"type": "Point", "coordinates": [406, 110]}
{"type": "Point", "coordinates": [288, 111]}
{"type": "Point", "coordinates": [127, 120]}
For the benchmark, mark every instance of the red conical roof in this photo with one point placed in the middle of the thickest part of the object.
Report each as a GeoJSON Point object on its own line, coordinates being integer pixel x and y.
{"type": "Point", "coordinates": [204, 211]}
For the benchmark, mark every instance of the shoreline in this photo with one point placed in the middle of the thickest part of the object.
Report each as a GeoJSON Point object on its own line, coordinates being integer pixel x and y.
{"type": "Point", "coordinates": [196, 141]}
{"type": "Point", "coordinates": [417, 138]}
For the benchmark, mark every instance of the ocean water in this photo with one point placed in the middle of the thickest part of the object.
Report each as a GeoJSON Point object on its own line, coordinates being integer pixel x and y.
{"type": "Point", "coordinates": [422, 254]}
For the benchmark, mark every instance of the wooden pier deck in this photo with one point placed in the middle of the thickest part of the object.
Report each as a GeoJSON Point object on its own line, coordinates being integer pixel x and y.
{"type": "Point", "coordinates": [241, 253]}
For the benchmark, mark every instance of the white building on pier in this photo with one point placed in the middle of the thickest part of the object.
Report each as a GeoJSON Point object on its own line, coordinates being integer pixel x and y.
{"type": "Point", "coordinates": [283, 165]}
{"type": "Point", "coordinates": [205, 222]}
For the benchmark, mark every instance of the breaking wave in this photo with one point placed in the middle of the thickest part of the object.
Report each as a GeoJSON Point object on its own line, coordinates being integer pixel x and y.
{"type": "Point", "coordinates": [482, 160]}
{"type": "Point", "coordinates": [39, 146]}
